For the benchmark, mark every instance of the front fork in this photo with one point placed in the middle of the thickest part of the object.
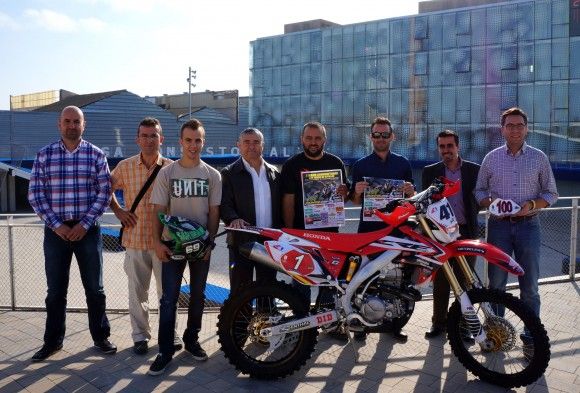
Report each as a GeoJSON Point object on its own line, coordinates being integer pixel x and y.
{"type": "Point", "coordinates": [469, 315]}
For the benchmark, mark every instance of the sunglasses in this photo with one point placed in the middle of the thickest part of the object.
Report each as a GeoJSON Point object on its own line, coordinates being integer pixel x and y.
{"type": "Point", "coordinates": [384, 135]}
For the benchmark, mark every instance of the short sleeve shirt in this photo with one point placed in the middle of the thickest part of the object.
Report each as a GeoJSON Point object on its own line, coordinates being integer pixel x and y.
{"type": "Point", "coordinates": [130, 175]}
{"type": "Point", "coordinates": [292, 181]}
{"type": "Point", "coordinates": [188, 192]}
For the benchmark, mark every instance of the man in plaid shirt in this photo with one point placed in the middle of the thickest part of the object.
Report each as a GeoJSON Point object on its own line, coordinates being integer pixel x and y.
{"type": "Point", "coordinates": [70, 189]}
{"type": "Point", "coordinates": [130, 175]}
{"type": "Point", "coordinates": [521, 173]}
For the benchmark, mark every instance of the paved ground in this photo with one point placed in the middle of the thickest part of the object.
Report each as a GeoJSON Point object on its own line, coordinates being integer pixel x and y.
{"type": "Point", "coordinates": [420, 365]}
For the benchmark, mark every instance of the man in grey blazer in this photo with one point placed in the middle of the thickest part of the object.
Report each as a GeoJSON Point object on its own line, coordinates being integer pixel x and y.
{"type": "Point", "coordinates": [465, 208]}
{"type": "Point", "coordinates": [250, 196]}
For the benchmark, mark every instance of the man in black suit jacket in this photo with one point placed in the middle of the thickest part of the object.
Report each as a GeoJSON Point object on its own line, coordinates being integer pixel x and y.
{"type": "Point", "coordinates": [250, 196]}
{"type": "Point", "coordinates": [466, 209]}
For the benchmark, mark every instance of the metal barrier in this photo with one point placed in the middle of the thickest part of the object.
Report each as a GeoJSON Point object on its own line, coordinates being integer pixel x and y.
{"type": "Point", "coordinates": [23, 280]}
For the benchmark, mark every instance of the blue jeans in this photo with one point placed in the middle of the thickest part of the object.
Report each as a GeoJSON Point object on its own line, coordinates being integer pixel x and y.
{"type": "Point", "coordinates": [522, 238]}
{"type": "Point", "coordinates": [58, 256]}
{"type": "Point", "coordinates": [171, 273]}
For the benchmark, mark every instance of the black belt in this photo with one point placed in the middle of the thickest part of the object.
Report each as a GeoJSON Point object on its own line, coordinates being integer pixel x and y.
{"type": "Point", "coordinates": [516, 218]}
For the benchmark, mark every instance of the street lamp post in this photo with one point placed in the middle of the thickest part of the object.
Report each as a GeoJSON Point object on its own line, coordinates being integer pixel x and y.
{"type": "Point", "coordinates": [192, 75]}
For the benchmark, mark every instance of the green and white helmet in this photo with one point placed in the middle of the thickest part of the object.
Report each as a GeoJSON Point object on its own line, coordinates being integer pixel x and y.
{"type": "Point", "coordinates": [190, 240]}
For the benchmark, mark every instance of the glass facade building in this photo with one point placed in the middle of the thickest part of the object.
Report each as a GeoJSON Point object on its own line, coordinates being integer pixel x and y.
{"type": "Point", "coordinates": [455, 69]}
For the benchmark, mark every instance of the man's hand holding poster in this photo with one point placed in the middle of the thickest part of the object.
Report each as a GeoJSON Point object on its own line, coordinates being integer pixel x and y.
{"type": "Point", "coordinates": [378, 193]}
{"type": "Point", "coordinates": [323, 207]}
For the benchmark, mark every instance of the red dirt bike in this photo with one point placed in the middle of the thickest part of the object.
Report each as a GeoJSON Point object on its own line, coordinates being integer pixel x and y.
{"type": "Point", "coordinates": [269, 330]}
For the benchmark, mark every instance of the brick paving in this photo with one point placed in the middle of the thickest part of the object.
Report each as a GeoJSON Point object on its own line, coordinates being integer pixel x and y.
{"type": "Point", "coordinates": [420, 365]}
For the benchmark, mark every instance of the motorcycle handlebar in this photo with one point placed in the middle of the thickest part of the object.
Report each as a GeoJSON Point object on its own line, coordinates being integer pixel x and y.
{"type": "Point", "coordinates": [440, 187]}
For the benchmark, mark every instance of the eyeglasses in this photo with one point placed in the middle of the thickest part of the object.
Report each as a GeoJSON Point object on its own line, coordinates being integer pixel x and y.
{"type": "Point", "coordinates": [517, 127]}
{"type": "Point", "coordinates": [384, 134]}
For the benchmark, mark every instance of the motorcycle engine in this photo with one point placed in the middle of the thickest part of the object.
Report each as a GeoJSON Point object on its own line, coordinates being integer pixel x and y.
{"type": "Point", "coordinates": [381, 300]}
{"type": "Point", "coordinates": [374, 309]}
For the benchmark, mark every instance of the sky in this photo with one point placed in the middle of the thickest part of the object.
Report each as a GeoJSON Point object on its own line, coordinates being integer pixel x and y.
{"type": "Point", "coordinates": [147, 46]}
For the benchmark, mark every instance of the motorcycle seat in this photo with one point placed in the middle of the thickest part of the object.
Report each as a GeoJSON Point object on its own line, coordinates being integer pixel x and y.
{"type": "Point", "coordinates": [343, 242]}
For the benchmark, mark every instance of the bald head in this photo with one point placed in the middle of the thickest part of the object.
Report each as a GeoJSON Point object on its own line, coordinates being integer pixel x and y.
{"type": "Point", "coordinates": [71, 125]}
{"type": "Point", "coordinates": [72, 109]}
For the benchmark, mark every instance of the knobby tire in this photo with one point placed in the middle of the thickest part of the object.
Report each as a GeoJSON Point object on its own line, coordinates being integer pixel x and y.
{"type": "Point", "coordinates": [239, 321]}
{"type": "Point", "coordinates": [514, 363]}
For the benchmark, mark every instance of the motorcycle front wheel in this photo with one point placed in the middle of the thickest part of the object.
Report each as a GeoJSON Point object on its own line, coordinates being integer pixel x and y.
{"type": "Point", "coordinates": [512, 356]}
{"type": "Point", "coordinates": [257, 306]}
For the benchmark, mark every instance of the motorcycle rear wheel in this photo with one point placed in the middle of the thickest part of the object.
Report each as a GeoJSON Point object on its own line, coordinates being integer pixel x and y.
{"type": "Point", "coordinates": [514, 359]}
{"type": "Point", "coordinates": [244, 314]}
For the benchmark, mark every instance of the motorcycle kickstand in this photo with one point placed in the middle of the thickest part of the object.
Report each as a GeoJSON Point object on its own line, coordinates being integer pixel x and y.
{"type": "Point", "coordinates": [349, 334]}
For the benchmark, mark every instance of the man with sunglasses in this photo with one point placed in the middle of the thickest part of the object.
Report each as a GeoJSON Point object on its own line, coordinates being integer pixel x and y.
{"type": "Point", "coordinates": [466, 208]}
{"type": "Point", "coordinates": [140, 261]}
{"type": "Point", "coordinates": [381, 163]}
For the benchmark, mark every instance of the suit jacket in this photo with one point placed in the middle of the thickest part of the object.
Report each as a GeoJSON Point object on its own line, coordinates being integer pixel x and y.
{"type": "Point", "coordinates": [238, 199]}
{"type": "Point", "coordinates": [469, 172]}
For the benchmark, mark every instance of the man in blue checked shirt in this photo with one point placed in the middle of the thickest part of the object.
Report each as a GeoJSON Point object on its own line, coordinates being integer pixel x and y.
{"type": "Point", "coordinates": [521, 173]}
{"type": "Point", "coordinates": [70, 188]}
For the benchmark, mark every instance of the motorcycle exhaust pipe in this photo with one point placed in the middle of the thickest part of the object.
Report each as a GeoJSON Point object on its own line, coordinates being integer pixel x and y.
{"type": "Point", "coordinates": [257, 253]}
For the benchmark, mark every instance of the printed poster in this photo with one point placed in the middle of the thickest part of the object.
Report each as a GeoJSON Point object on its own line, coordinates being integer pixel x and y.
{"type": "Point", "coordinates": [323, 207]}
{"type": "Point", "coordinates": [378, 193]}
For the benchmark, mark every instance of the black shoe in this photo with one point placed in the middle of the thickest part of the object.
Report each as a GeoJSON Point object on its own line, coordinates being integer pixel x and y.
{"type": "Point", "coordinates": [45, 352]}
{"type": "Point", "coordinates": [177, 344]}
{"type": "Point", "coordinates": [400, 336]}
{"type": "Point", "coordinates": [105, 346]}
{"type": "Point", "coordinates": [360, 336]}
{"type": "Point", "coordinates": [141, 347]}
{"type": "Point", "coordinates": [159, 364]}
{"type": "Point", "coordinates": [435, 331]}
{"type": "Point", "coordinates": [196, 351]}
{"type": "Point", "coordinates": [467, 338]}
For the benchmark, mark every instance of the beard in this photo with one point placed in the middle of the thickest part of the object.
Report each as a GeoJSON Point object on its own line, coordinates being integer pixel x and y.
{"type": "Point", "coordinates": [72, 135]}
{"type": "Point", "coordinates": [449, 157]}
{"type": "Point", "coordinates": [313, 153]}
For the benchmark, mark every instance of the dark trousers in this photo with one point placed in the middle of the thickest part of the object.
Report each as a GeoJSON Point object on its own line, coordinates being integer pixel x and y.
{"type": "Point", "coordinates": [242, 270]}
{"type": "Point", "coordinates": [324, 296]}
{"type": "Point", "coordinates": [441, 290]}
{"type": "Point", "coordinates": [171, 273]}
{"type": "Point", "coordinates": [58, 256]}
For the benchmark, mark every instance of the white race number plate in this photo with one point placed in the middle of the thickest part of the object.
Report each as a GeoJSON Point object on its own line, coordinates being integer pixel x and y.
{"type": "Point", "coordinates": [504, 207]}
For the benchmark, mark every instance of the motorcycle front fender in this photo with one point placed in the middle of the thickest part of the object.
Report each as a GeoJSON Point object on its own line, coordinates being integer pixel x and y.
{"type": "Point", "coordinates": [488, 251]}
